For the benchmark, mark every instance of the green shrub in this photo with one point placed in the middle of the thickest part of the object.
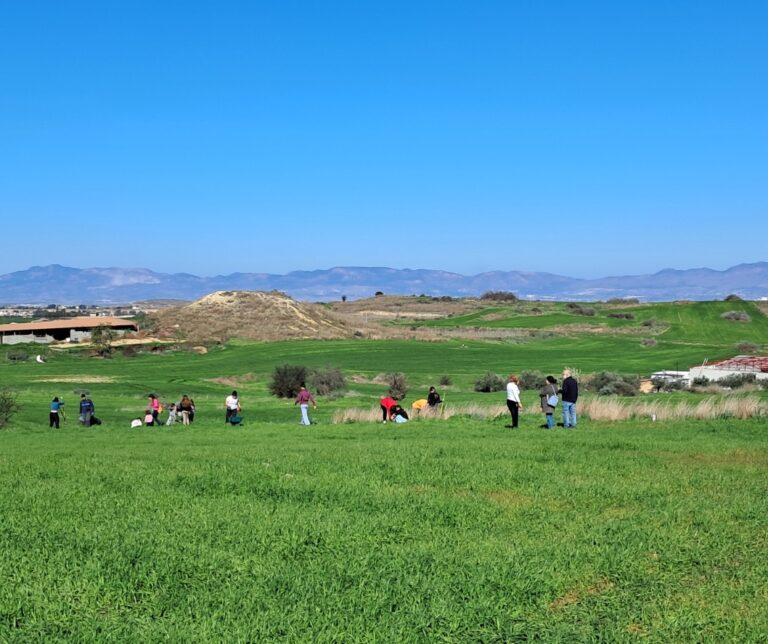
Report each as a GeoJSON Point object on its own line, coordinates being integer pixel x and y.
{"type": "Point", "coordinates": [398, 385]}
{"type": "Point", "coordinates": [737, 380]}
{"type": "Point", "coordinates": [700, 381]}
{"type": "Point", "coordinates": [622, 316]}
{"type": "Point", "coordinates": [607, 383]}
{"type": "Point", "coordinates": [578, 309]}
{"type": "Point", "coordinates": [17, 355]}
{"type": "Point", "coordinates": [327, 381]}
{"type": "Point", "coordinates": [747, 347]}
{"type": "Point", "coordinates": [648, 342]}
{"type": "Point", "coordinates": [8, 406]}
{"type": "Point", "coordinates": [667, 384]}
{"type": "Point", "coordinates": [489, 382]}
{"type": "Point", "coordinates": [531, 380]}
{"type": "Point", "coordinates": [445, 381]}
{"type": "Point", "coordinates": [287, 380]}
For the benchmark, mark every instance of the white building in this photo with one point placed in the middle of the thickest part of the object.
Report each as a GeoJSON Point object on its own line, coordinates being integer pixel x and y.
{"type": "Point", "coordinates": [738, 366]}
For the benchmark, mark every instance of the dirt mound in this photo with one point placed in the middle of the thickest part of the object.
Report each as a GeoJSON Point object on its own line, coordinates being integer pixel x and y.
{"type": "Point", "coordinates": [252, 315]}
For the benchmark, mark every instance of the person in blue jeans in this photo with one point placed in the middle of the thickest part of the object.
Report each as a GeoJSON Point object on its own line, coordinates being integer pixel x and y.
{"type": "Point", "coordinates": [570, 394]}
{"type": "Point", "coordinates": [86, 410]}
{"type": "Point", "coordinates": [548, 394]}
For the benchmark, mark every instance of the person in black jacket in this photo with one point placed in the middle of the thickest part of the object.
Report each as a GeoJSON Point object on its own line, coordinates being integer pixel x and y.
{"type": "Point", "coordinates": [570, 394]}
{"type": "Point", "coordinates": [433, 398]}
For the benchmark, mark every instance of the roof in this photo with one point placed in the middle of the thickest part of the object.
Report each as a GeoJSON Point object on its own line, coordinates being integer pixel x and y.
{"type": "Point", "coordinates": [742, 363]}
{"type": "Point", "coordinates": [68, 323]}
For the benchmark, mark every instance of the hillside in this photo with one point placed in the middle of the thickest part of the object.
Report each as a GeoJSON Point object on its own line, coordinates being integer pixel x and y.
{"type": "Point", "coordinates": [250, 315]}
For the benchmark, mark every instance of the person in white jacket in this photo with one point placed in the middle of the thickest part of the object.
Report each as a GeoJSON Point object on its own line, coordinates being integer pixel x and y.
{"type": "Point", "coordinates": [513, 399]}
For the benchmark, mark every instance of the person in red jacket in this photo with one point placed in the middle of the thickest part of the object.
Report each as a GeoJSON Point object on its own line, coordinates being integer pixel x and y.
{"type": "Point", "coordinates": [387, 403]}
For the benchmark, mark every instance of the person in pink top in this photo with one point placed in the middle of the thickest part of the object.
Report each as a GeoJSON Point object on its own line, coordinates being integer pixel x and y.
{"type": "Point", "coordinates": [303, 399]}
{"type": "Point", "coordinates": [154, 405]}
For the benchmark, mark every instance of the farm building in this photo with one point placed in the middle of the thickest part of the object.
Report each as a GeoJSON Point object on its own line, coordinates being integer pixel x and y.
{"type": "Point", "coordinates": [67, 330]}
{"type": "Point", "coordinates": [740, 365]}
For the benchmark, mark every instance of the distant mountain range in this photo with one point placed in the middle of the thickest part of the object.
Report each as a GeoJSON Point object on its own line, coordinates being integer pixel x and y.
{"type": "Point", "coordinates": [63, 285]}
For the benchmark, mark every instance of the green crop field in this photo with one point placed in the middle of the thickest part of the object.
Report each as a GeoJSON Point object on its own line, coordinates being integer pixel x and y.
{"type": "Point", "coordinates": [454, 530]}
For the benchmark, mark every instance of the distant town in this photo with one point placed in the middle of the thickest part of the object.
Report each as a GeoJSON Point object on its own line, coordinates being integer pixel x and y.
{"type": "Point", "coordinates": [60, 311]}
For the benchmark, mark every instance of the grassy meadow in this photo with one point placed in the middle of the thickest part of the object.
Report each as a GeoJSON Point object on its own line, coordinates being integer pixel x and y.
{"type": "Point", "coordinates": [452, 530]}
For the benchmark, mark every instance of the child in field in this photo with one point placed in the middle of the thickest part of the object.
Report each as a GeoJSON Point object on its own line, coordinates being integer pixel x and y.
{"type": "Point", "coordinates": [149, 419]}
{"type": "Point", "coordinates": [399, 415]}
{"type": "Point", "coordinates": [171, 415]}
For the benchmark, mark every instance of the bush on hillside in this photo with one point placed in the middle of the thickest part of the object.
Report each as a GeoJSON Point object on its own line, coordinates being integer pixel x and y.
{"type": "Point", "coordinates": [397, 385]}
{"type": "Point", "coordinates": [8, 406]}
{"type": "Point", "coordinates": [287, 380]}
{"type": "Point", "coordinates": [747, 347]}
{"type": "Point", "coordinates": [736, 316]}
{"type": "Point", "coordinates": [648, 342]}
{"type": "Point", "coordinates": [648, 323]}
{"type": "Point", "coordinates": [622, 316]}
{"type": "Point", "coordinates": [531, 380]}
{"type": "Point", "coordinates": [607, 383]}
{"type": "Point", "coordinates": [499, 296]}
{"type": "Point", "coordinates": [700, 381]}
{"type": "Point", "coordinates": [578, 309]}
{"type": "Point", "coordinates": [489, 382]}
{"type": "Point", "coordinates": [732, 298]}
{"type": "Point", "coordinates": [445, 381]}
{"type": "Point", "coordinates": [327, 381]}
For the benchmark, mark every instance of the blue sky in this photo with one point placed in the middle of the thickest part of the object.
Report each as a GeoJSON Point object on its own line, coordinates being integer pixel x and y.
{"type": "Point", "coordinates": [582, 138]}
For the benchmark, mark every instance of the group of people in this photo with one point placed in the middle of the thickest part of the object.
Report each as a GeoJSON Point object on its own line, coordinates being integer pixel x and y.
{"type": "Point", "coordinates": [393, 411]}
{"type": "Point", "coordinates": [183, 411]}
{"type": "Point", "coordinates": [549, 397]}
{"type": "Point", "coordinates": [87, 411]}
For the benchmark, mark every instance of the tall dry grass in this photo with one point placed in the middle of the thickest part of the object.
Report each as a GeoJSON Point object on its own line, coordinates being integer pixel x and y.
{"type": "Point", "coordinates": [358, 415]}
{"type": "Point", "coordinates": [608, 408]}
{"type": "Point", "coordinates": [615, 409]}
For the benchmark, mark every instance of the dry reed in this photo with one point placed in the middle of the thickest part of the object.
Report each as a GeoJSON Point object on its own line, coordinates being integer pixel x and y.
{"type": "Point", "coordinates": [608, 408]}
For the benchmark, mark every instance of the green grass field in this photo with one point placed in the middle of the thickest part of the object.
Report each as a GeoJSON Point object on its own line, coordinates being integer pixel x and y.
{"type": "Point", "coordinates": [456, 530]}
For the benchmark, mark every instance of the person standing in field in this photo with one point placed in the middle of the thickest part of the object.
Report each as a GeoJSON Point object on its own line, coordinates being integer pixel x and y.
{"type": "Point", "coordinates": [548, 395]}
{"type": "Point", "coordinates": [154, 406]}
{"type": "Point", "coordinates": [303, 399]}
{"type": "Point", "coordinates": [87, 408]}
{"type": "Point", "coordinates": [570, 394]}
{"type": "Point", "coordinates": [171, 415]}
{"type": "Point", "coordinates": [513, 400]}
{"type": "Point", "coordinates": [231, 406]}
{"type": "Point", "coordinates": [53, 415]}
{"type": "Point", "coordinates": [186, 409]}
{"type": "Point", "coordinates": [433, 398]}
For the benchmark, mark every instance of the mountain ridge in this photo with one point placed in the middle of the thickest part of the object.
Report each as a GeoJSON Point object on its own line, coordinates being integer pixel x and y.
{"type": "Point", "coordinates": [59, 284]}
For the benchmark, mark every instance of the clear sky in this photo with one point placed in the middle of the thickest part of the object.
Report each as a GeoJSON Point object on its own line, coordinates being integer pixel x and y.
{"type": "Point", "coordinates": [583, 138]}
